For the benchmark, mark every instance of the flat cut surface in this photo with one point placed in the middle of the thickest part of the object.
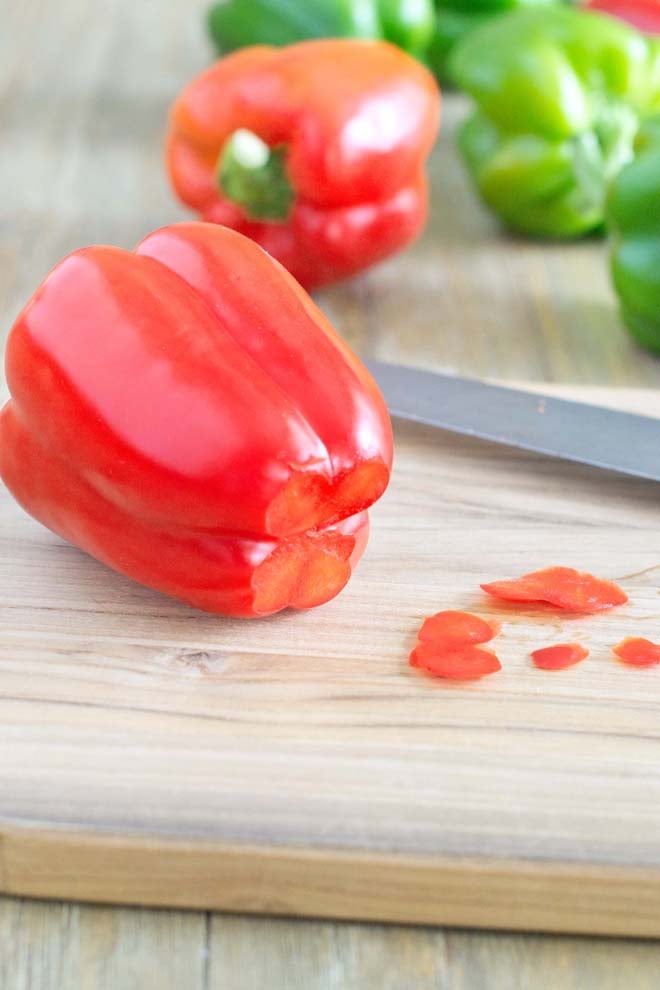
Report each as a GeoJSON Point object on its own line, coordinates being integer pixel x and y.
{"type": "Point", "coordinates": [83, 100]}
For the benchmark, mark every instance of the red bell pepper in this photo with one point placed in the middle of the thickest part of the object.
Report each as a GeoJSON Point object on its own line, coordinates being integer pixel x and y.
{"type": "Point", "coordinates": [316, 151]}
{"type": "Point", "coordinates": [187, 415]}
{"type": "Point", "coordinates": [643, 14]}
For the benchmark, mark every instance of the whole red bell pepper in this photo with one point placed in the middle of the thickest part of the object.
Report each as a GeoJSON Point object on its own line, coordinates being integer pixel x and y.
{"type": "Point", "coordinates": [316, 151]}
{"type": "Point", "coordinates": [187, 415]}
{"type": "Point", "coordinates": [644, 14]}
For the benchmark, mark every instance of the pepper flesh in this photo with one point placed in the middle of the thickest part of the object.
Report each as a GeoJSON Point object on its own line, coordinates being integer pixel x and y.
{"type": "Point", "coordinates": [450, 629]}
{"type": "Point", "coordinates": [241, 23]}
{"type": "Point", "coordinates": [354, 121]}
{"type": "Point", "coordinates": [560, 656]}
{"type": "Point", "coordinates": [643, 14]}
{"type": "Point", "coordinates": [638, 652]}
{"type": "Point", "coordinates": [187, 415]}
{"type": "Point", "coordinates": [560, 95]}
{"type": "Point", "coordinates": [633, 214]}
{"type": "Point", "coordinates": [562, 587]}
{"type": "Point", "coordinates": [466, 663]}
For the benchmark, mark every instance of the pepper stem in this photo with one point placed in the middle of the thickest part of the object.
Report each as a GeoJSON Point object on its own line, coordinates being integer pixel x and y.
{"type": "Point", "coordinates": [253, 175]}
{"type": "Point", "coordinates": [600, 154]}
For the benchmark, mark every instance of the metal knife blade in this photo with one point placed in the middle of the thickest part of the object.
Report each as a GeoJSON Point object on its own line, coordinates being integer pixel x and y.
{"type": "Point", "coordinates": [572, 431]}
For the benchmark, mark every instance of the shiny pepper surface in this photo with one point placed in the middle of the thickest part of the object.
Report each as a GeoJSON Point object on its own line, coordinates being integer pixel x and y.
{"type": "Point", "coordinates": [186, 414]}
{"type": "Point", "coordinates": [560, 96]}
{"type": "Point", "coordinates": [241, 23]}
{"type": "Point", "coordinates": [316, 151]}
{"type": "Point", "coordinates": [455, 19]}
{"type": "Point", "coordinates": [633, 215]}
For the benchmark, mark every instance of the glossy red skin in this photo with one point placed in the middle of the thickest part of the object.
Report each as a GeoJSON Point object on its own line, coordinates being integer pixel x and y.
{"type": "Point", "coordinates": [358, 118]}
{"type": "Point", "coordinates": [637, 652]}
{"type": "Point", "coordinates": [643, 14]}
{"type": "Point", "coordinates": [166, 401]}
{"type": "Point", "coordinates": [562, 587]}
{"type": "Point", "coordinates": [560, 656]}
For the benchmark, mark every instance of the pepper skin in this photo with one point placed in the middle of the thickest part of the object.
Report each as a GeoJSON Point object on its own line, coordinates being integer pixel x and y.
{"type": "Point", "coordinates": [240, 23]}
{"type": "Point", "coordinates": [643, 14]}
{"type": "Point", "coordinates": [633, 216]}
{"type": "Point", "coordinates": [455, 19]}
{"type": "Point", "coordinates": [346, 127]}
{"type": "Point", "coordinates": [560, 96]}
{"type": "Point", "coordinates": [186, 414]}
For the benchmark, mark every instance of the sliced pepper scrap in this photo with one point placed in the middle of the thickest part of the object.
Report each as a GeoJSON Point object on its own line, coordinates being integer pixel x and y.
{"type": "Point", "coordinates": [452, 628]}
{"type": "Point", "coordinates": [562, 587]}
{"type": "Point", "coordinates": [638, 652]}
{"type": "Point", "coordinates": [560, 656]}
{"type": "Point", "coordinates": [467, 663]}
{"type": "Point", "coordinates": [446, 646]}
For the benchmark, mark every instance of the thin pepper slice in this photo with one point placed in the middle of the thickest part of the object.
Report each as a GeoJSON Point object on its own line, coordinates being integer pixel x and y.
{"type": "Point", "coordinates": [452, 629]}
{"type": "Point", "coordinates": [562, 587]}
{"type": "Point", "coordinates": [469, 663]}
{"type": "Point", "coordinates": [560, 656]}
{"type": "Point", "coordinates": [638, 652]}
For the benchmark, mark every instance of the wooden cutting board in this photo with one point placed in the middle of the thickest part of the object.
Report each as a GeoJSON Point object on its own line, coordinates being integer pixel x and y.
{"type": "Point", "coordinates": [153, 754]}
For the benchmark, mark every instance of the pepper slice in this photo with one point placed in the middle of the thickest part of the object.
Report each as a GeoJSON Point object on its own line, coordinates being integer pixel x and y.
{"type": "Point", "coordinates": [452, 629]}
{"type": "Point", "coordinates": [562, 587]}
{"type": "Point", "coordinates": [560, 656]}
{"type": "Point", "coordinates": [638, 652]}
{"type": "Point", "coordinates": [469, 663]}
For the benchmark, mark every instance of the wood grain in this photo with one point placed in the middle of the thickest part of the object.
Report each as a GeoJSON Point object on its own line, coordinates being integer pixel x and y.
{"type": "Point", "coordinates": [122, 712]}
{"type": "Point", "coordinates": [83, 99]}
{"type": "Point", "coordinates": [73, 947]}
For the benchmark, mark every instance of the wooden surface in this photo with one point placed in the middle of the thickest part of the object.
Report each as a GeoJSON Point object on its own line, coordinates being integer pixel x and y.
{"type": "Point", "coordinates": [83, 99]}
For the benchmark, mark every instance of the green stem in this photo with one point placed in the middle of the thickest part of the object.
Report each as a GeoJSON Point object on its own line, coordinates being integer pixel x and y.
{"type": "Point", "coordinates": [253, 175]}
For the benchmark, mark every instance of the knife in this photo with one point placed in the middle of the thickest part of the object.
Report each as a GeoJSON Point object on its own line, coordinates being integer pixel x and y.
{"type": "Point", "coordinates": [572, 431]}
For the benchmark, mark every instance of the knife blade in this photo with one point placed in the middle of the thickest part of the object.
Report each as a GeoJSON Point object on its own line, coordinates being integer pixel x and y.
{"type": "Point", "coordinates": [572, 431]}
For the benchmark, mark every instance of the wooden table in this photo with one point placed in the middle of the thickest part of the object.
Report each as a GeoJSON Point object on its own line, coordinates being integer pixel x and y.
{"type": "Point", "coordinates": [84, 93]}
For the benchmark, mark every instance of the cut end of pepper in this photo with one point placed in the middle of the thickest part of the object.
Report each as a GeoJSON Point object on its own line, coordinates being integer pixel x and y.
{"type": "Point", "coordinates": [303, 572]}
{"type": "Point", "coordinates": [309, 500]}
{"type": "Point", "coordinates": [253, 175]}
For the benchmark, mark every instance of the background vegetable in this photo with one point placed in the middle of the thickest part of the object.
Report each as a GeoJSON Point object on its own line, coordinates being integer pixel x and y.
{"type": "Point", "coordinates": [455, 19]}
{"type": "Point", "coordinates": [560, 96]}
{"type": "Point", "coordinates": [633, 216]}
{"type": "Point", "coordinates": [240, 23]}
{"type": "Point", "coordinates": [316, 151]}
{"type": "Point", "coordinates": [643, 14]}
{"type": "Point", "coordinates": [185, 414]}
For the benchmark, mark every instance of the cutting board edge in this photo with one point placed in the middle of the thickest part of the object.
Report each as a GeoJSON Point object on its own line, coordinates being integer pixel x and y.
{"type": "Point", "coordinates": [517, 895]}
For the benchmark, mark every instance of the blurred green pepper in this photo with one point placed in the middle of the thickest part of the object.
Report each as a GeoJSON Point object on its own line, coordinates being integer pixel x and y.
{"type": "Point", "coordinates": [633, 216]}
{"type": "Point", "coordinates": [455, 19]}
{"type": "Point", "coordinates": [240, 23]}
{"type": "Point", "coordinates": [560, 97]}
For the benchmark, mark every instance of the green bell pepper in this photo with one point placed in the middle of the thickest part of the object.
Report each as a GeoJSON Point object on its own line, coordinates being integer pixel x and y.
{"type": "Point", "coordinates": [455, 19]}
{"type": "Point", "coordinates": [238, 23]}
{"type": "Point", "coordinates": [560, 96]}
{"type": "Point", "coordinates": [633, 217]}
